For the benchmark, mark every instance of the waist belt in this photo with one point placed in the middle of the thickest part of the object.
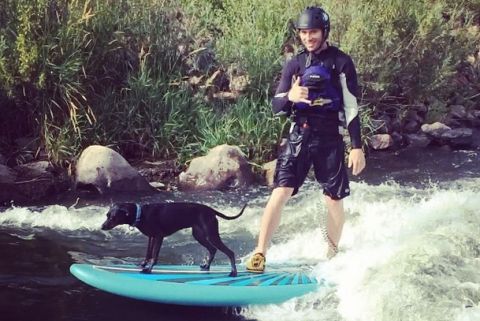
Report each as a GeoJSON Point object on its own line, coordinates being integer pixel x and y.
{"type": "Point", "coordinates": [326, 123]}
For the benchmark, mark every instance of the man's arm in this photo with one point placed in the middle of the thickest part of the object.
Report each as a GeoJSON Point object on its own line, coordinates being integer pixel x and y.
{"type": "Point", "coordinates": [348, 81]}
{"type": "Point", "coordinates": [281, 105]}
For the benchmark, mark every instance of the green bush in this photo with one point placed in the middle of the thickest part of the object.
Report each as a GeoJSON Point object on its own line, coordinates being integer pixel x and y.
{"type": "Point", "coordinates": [75, 73]}
{"type": "Point", "coordinates": [408, 51]}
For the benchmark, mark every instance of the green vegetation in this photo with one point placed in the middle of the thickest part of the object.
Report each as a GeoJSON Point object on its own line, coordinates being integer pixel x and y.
{"type": "Point", "coordinates": [118, 73]}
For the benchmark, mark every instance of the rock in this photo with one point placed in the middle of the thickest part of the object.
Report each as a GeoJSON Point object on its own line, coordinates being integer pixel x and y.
{"type": "Point", "coordinates": [412, 126]}
{"type": "Point", "coordinates": [382, 125]}
{"type": "Point", "coordinates": [381, 141]}
{"type": "Point", "coordinates": [474, 118]}
{"type": "Point", "coordinates": [398, 139]}
{"type": "Point", "coordinates": [3, 160]}
{"type": "Point", "coordinates": [458, 137]}
{"type": "Point", "coordinates": [33, 182]}
{"type": "Point", "coordinates": [158, 185]}
{"type": "Point", "coordinates": [418, 140]}
{"type": "Point", "coordinates": [224, 166]}
{"type": "Point", "coordinates": [435, 130]}
{"type": "Point", "coordinates": [396, 125]}
{"type": "Point", "coordinates": [107, 171]}
{"type": "Point", "coordinates": [458, 112]}
{"type": "Point", "coordinates": [40, 180]}
{"type": "Point", "coordinates": [413, 115]}
{"type": "Point", "coordinates": [269, 169]}
{"type": "Point", "coordinates": [451, 122]}
{"type": "Point", "coordinates": [35, 170]}
{"type": "Point", "coordinates": [7, 175]}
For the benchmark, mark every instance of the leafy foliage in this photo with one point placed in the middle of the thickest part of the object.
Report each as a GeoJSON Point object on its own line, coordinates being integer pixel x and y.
{"type": "Point", "coordinates": [81, 72]}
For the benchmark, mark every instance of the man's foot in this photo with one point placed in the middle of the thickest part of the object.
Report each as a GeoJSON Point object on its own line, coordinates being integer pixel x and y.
{"type": "Point", "coordinates": [256, 263]}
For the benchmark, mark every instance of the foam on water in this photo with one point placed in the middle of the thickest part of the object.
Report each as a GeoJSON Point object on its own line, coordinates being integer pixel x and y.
{"type": "Point", "coordinates": [90, 218]}
{"type": "Point", "coordinates": [406, 254]}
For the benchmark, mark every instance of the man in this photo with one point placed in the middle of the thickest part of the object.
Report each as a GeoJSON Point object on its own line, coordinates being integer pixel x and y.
{"type": "Point", "coordinates": [317, 89]}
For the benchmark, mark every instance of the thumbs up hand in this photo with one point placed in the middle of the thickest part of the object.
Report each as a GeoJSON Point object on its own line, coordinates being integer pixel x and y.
{"type": "Point", "coordinates": [298, 94]}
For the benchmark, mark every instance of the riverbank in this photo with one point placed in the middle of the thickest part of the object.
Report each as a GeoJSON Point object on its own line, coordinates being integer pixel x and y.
{"type": "Point", "coordinates": [414, 166]}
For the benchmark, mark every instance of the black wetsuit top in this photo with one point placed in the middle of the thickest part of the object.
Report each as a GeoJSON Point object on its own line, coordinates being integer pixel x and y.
{"type": "Point", "coordinates": [333, 58]}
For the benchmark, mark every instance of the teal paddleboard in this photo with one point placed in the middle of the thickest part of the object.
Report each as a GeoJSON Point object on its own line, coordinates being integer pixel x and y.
{"type": "Point", "coordinates": [187, 285]}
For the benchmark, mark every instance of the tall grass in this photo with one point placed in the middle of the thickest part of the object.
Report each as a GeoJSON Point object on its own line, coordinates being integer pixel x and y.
{"type": "Point", "coordinates": [81, 72]}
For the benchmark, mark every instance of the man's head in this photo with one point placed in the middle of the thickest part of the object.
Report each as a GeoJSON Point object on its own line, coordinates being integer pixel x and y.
{"type": "Point", "coordinates": [313, 26]}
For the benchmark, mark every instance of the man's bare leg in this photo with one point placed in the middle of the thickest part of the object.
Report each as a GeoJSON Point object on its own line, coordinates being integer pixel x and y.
{"type": "Point", "coordinates": [271, 217]}
{"type": "Point", "coordinates": [335, 221]}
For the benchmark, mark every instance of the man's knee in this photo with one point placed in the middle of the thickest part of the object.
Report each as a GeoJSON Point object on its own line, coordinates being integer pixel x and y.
{"type": "Point", "coordinates": [283, 193]}
{"type": "Point", "coordinates": [334, 202]}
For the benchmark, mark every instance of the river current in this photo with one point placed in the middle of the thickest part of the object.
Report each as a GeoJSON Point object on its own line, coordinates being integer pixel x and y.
{"type": "Point", "coordinates": [410, 249]}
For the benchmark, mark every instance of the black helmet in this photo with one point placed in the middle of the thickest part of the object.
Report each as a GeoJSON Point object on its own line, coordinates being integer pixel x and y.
{"type": "Point", "coordinates": [314, 18]}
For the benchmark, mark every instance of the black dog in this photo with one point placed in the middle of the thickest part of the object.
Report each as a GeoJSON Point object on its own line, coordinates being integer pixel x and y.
{"type": "Point", "coordinates": [163, 219]}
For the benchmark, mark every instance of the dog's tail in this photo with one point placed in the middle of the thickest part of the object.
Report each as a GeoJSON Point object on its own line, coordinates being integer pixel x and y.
{"type": "Point", "coordinates": [231, 217]}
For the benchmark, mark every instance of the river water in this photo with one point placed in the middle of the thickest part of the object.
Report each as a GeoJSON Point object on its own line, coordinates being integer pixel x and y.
{"type": "Point", "coordinates": [410, 249]}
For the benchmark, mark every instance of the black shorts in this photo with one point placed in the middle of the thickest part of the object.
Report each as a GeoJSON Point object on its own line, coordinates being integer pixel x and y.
{"type": "Point", "coordinates": [306, 146]}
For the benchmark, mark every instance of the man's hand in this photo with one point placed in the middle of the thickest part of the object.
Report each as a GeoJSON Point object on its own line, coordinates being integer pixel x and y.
{"type": "Point", "coordinates": [356, 158]}
{"type": "Point", "coordinates": [298, 94]}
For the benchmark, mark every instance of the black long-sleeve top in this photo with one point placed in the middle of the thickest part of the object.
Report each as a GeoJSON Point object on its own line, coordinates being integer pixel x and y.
{"type": "Point", "coordinates": [335, 59]}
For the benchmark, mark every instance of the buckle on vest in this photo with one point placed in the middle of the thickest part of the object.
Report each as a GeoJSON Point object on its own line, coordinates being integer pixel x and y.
{"type": "Point", "coordinates": [321, 102]}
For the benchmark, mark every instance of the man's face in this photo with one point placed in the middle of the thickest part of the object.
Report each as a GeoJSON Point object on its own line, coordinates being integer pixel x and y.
{"type": "Point", "coordinates": [311, 38]}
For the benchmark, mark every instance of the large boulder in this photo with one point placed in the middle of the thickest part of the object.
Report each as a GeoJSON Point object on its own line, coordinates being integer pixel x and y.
{"type": "Point", "coordinates": [458, 137]}
{"type": "Point", "coordinates": [442, 134]}
{"type": "Point", "coordinates": [107, 171]}
{"type": "Point", "coordinates": [224, 166]}
{"type": "Point", "coordinates": [7, 184]}
{"type": "Point", "coordinates": [418, 140]}
{"type": "Point", "coordinates": [32, 182]}
{"type": "Point", "coordinates": [381, 141]}
{"type": "Point", "coordinates": [41, 180]}
{"type": "Point", "coordinates": [7, 175]}
{"type": "Point", "coordinates": [435, 130]}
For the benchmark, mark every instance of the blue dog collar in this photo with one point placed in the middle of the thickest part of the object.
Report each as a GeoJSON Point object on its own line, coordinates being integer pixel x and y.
{"type": "Point", "coordinates": [138, 214]}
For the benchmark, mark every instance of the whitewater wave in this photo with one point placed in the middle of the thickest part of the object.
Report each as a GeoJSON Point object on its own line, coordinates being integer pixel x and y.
{"type": "Point", "coordinates": [407, 254]}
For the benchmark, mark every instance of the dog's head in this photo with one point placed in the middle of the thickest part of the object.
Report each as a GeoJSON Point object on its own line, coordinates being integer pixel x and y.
{"type": "Point", "coordinates": [118, 214]}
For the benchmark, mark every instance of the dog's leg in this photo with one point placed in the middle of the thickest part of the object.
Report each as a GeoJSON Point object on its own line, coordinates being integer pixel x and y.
{"type": "Point", "coordinates": [148, 256]}
{"type": "Point", "coordinates": [200, 237]}
{"type": "Point", "coordinates": [157, 244]}
{"type": "Point", "coordinates": [217, 242]}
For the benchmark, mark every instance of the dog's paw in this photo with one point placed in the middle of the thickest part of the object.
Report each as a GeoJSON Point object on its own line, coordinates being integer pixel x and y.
{"type": "Point", "coordinates": [233, 274]}
{"type": "Point", "coordinates": [147, 270]}
{"type": "Point", "coordinates": [205, 267]}
{"type": "Point", "coordinates": [143, 263]}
